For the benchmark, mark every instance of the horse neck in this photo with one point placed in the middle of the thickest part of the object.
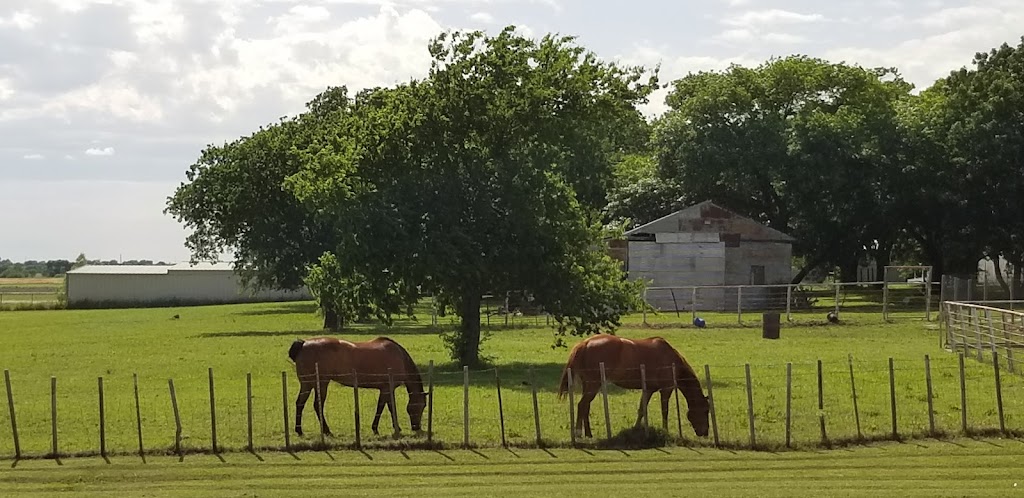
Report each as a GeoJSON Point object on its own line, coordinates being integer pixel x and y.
{"type": "Point", "coordinates": [689, 385]}
{"type": "Point", "coordinates": [412, 379]}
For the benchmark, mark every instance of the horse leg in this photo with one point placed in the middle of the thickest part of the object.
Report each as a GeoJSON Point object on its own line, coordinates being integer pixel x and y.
{"type": "Point", "coordinates": [394, 413]}
{"type": "Point", "coordinates": [645, 398]}
{"type": "Point", "coordinates": [666, 394]}
{"type": "Point", "coordinates": [318, 406]}
{"type": "Point", "coordinates": [380, 409]}
{"type": "Point", "coordinates": [583, 411]}
{"type": "Point", "coordinates": [300, 402]}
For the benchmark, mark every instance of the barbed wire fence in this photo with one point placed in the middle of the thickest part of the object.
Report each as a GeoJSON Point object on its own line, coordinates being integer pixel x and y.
{"type": "Point", "coordinates": [759, 406]}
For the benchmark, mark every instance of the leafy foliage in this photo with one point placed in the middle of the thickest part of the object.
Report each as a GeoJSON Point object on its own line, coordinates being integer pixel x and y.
{"type": "Point", "coordinates": [800, 144]}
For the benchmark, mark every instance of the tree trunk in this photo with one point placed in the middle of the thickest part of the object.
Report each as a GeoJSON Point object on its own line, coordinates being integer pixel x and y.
{"type": "Point", "coordinates": [809, 267]}
{"type": "Point", "coordinates": [469, 342]}
{"type": "Point", "coordinates": [999, 275]}
{"type": "Point", "coordinates": [331, 320]}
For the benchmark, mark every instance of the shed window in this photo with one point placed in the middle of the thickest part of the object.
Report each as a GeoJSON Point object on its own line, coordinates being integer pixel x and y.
{"type": "Point", "coordinates": [757, 275]}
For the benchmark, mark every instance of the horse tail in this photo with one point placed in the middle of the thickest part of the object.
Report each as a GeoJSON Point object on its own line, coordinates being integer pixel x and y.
{"type": "Point", "coordinates": [293, 352]}
{"type": "Point", "coordinates": [563, 384]}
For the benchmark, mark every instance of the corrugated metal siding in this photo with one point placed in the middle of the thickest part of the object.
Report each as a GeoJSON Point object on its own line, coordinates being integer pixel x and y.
{"type": "Point", "coordinates": [205, 286]}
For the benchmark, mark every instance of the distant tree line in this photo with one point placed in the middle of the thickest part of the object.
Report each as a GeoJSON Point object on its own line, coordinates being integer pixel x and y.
{"type": "Point", "coordinates": [58, 267]}
{"type": "Point", "coordinates": [511, 163]}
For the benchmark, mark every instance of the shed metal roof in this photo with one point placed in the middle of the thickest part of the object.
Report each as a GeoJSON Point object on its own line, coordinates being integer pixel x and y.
{"type": "Point", "coordinates": [149, 269]}
{"type": "Point", "coordinates": [707, 212]}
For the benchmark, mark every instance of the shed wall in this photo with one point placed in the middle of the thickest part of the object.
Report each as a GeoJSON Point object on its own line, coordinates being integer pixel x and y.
{"type": "Point", "coordinates": [186, 287]}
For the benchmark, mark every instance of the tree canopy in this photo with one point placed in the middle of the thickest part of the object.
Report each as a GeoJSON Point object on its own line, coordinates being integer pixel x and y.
{"type": "Point", "coordinates": [508, 165]}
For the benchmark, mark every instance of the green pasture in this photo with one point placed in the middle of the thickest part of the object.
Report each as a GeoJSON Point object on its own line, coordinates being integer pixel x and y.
{"type": "Point", "coordinates": [957, 467]}
{"type": "Point", "coordinates": [78, 346]}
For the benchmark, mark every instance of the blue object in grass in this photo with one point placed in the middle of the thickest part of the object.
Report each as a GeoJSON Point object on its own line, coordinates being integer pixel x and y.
{"type": "Point", "coordinates": [699, 322]}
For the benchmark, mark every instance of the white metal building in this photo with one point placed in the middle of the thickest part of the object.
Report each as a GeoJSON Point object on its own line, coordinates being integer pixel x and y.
{"type": "Point", "coordinates": [708, 246]}
{"type": "Point", "coordinates": [180, 284]}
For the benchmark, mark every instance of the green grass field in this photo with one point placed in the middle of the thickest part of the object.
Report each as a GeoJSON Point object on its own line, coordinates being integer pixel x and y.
{"type": "Point", "coordinates": [960, 467]}
{"type": "Point", "coordinates": [78, 346]}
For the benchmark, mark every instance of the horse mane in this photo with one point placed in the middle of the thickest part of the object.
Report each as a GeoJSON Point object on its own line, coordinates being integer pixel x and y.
{"type": "Point", "coordinates": [689, 382]}
{"type": "Point", "coordinates": [413, 377]}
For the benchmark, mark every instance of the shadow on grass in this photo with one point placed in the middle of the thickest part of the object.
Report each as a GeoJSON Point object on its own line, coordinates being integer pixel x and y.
{"type": "Point", "coordinates": [301, 308]}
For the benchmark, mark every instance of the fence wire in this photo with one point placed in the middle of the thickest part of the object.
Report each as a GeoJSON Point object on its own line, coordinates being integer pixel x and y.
{"type": "Point", "coordinates": [514, 421]}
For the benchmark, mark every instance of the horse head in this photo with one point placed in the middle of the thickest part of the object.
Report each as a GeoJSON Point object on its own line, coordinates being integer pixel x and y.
{"type": "Point", "coordinates": [697, 414]}
{"type": "Point", "coordinates": [417, 402]}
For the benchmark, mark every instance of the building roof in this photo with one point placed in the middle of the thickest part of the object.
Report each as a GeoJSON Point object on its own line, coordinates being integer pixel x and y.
{"type": "Point", "coordinates": [710, 217]}
{"type": "Point", "coordinates": [149, 269]}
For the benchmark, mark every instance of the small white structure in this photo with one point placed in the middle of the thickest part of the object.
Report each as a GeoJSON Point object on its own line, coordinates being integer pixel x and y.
{"type": "Point", "coordinates": [180, 284]}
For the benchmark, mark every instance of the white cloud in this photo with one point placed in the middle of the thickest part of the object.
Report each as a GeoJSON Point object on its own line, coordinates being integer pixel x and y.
{"type": "Point", "coordinates": [482, 17]}
{"type": "Point", "coordinates": [157, 21]}
{"type": "Point", "coordinates": [21, 19]}
{"type": "Point", "coordinates": [6, 89]}
{"type": "Point", "coordinates": [300, 18]}
{"type": "Point", "coordinates": [783, 38]}
{"type": "Point", "coordinates": [106, 151]}
{"type": "Point", "coordinates": [33, 157]}
{"type": "Point", "coordinates": [771, 17]}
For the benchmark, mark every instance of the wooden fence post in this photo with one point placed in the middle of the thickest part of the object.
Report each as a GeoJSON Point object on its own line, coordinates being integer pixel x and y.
{"type": "Point", "coordinates": [430, 402]}
{"type": "Point", "coordinates": [789, 403]}
{"type": "Point", "coordinates": [213, 413]}
{"type": "Point", "coordinates": [572, 408]}
{"type": "Point", "coordinates": [739, 305]}
{"type": "Point", "coordinates": [838, 286]}
{"type": "Point", "coordinates": [693, 304]}
{"type": "Point", "coordinates": [604, 395]}
{"type": "Point", "coordinates": [675, 393]}
{"type": "Point", "coordinates": [53, 414]}
{"type": "Point", "coordinates": [138, 416]}
{"type": "Point", "coordinates": [999, 392]}
{"type": "Point", "coordinates": [711, 403]}
{"type": "Point", "coordinates": [501, 408]}
{"type": "Point", "coordinates": [465, 405]}
{"type": "Point", "coordinates": [821, 405]}
{"type": "Point", "coordinates": [853, 389]}
{"type": "Point", "coordinates": [536, 406]}
{"type": "Point", "coordinates": [963, 395]}
{"type": "Point", "coordinates": [248, 407]}
{"type": "Point", "coordinates": [355, 408]}
{"type": "Point", "coordinates": [103, 418]}
{"type": "Point", "coordinates": [643, 392]}
{"type": "Point", "coordinates": [750, 406]}
{"type": "Point", "coordinates": [284, 404]}
{"type": "Point", "coordinates": [177, 417]}
{"type": "Point", "coordinates": [892, 398]}
{"type": "Point", "coordinates": [928, 388]}
{"type": "Point", "coordinates": [14, 420]}
{"type": "Point", "coordinates": [789, 301]}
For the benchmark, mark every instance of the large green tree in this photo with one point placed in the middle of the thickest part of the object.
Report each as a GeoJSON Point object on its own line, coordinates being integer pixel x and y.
{"type": "Point", "coordinates": [488, 176]}
{"type": "Point", "coordinates": [984, 115]}
{"type": "Point", "coordinates": [236, 198]}
{"type": "Point", "coordinates": [800, 144]}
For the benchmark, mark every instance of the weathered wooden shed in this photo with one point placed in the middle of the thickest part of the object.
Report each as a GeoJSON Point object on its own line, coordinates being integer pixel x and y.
{"type": "Point", "coordinates": [708, 246]}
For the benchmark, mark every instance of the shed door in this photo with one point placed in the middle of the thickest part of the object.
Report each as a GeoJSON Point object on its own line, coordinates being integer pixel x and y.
{"type": "Point", "coordinates": [757, 275]}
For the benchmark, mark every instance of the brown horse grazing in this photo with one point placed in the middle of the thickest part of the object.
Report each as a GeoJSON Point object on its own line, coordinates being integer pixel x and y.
{"type": "Point", "coordinates": [622, 359]}
{"type": "Point", "coordinates": [371, 361]}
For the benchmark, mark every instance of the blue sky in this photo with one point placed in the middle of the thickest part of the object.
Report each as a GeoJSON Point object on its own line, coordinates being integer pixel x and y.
{"type": "Point", "coordinates": [105, 103]}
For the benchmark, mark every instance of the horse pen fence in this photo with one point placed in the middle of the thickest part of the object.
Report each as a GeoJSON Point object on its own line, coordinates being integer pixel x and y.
{"type": "Point", "coordinates": [890, 300]}
{"type": "Point", "coordinates": [758, 406]}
